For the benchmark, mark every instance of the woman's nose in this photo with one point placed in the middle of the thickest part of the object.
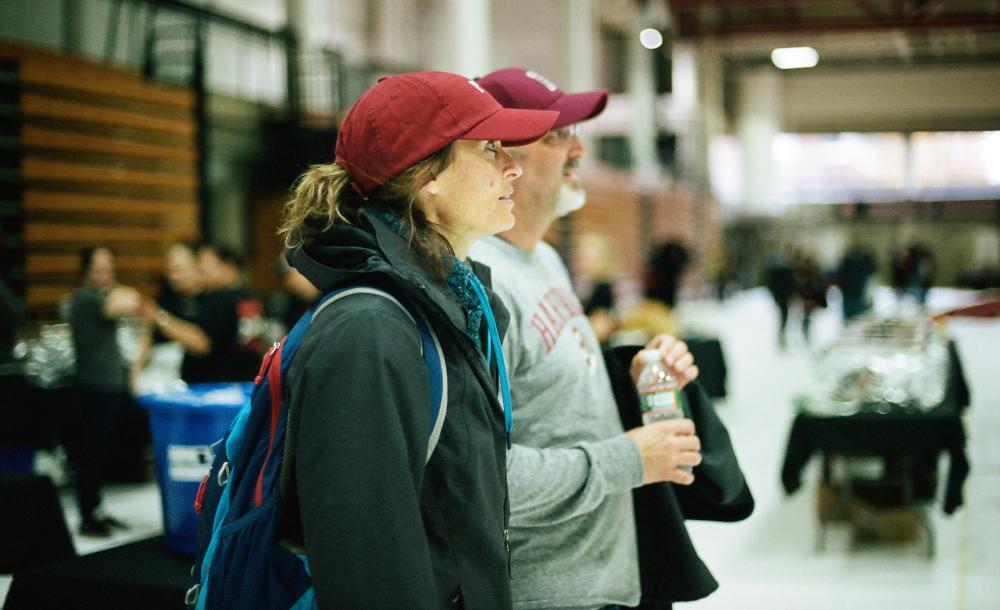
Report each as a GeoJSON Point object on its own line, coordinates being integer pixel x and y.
{"type": "Point", "coordinates": [511, 168]}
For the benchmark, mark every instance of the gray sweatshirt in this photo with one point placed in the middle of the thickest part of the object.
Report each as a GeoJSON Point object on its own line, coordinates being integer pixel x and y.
{"type": "Point", "coordinates": [571, 469]}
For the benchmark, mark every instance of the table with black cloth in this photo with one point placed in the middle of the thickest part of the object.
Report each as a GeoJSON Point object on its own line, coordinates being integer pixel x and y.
{"type": "Point", "coordinates": [32, 528]}
{"type": "Point", "coordinates": [918, 437]}
{"type": "Point", "coordinates": [138, 575]}
{"type": "Point", "coordinates": [31, 415]}
{"type": "Point", "coordinates": [707, 353]}
{"type": "Point", "coordinates": [42, 418]}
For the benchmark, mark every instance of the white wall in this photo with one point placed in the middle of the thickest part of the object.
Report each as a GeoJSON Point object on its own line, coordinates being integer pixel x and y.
{"type": "Point", "coordinates": [840, 99]}
{"type": "Point", "coordinates": [341, 25]}
{"type": "Point", "coordinates": [268, 13]}
{"type": "Point", "coordinates": [892, 99]}
{"type": "Point", "coordinates": [398, 41]}
{"type": "Point", "coordinates": [535, 37]}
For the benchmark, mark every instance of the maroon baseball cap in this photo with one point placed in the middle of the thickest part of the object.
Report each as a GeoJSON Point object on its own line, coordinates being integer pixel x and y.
{"type": "Point", "coordinates": [407, 117]}
{"type": "Point", "coordinates": [520, 88]}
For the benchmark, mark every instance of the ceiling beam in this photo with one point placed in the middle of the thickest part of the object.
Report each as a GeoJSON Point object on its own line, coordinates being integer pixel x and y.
{"type": "Point", "coordinates": [958, 22]}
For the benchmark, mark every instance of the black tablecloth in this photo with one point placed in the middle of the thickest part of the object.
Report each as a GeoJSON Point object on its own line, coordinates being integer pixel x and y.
{"type": "Point", "coordinates": [42, 418]}
{"type": "Point", "coordinates": [32, 527]}
{"type": "Point", "coordinates": [138, 575]}
{"type": "Point", "coordinates": [707, 352]}
{"type": "Point", "coordinates": [920, 435]}
{"type": "Point", "coordinates": [31, 415]}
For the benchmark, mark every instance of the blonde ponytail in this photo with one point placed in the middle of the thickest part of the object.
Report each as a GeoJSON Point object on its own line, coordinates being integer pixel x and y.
{"type": "Point", "coordinates": [315, 204]}
{"type": "Point", "coordinates": [323, 196]}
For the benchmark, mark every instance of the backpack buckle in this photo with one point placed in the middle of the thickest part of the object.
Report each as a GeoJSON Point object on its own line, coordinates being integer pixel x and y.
{"type": "Point", "coordinates": [223, 477]}
{"type": "Point", "coordinates": [266, 362]}
{"type": "Point", "coordinates": [191, 597]}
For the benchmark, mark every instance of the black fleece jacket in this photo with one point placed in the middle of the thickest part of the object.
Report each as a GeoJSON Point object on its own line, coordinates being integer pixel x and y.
{"type": "Point", "coordinates": [381, 529]}
{"type": "Point", "coordinates": [670, 569]}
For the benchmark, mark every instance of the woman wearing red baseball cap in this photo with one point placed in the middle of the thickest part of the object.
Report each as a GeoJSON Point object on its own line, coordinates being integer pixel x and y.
{"type": "Point", "coordinates": [396, 469]}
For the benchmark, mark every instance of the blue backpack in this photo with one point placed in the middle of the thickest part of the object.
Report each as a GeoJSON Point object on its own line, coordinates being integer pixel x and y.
{"type": "Point", "coordinates": [240, 563]}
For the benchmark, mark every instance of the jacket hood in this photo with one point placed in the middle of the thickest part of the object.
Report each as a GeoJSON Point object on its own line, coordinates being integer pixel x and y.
{"type": "Point", "coordinates": [346, 253]}
{"type": "Point", "coordinates": [371, 252]}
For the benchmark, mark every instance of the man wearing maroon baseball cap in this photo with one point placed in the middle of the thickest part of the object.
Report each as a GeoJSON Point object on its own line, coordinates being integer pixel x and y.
{"type": "Point", "coordinates": [397, 490]}
{"type": "Point", "coordinates": [552, 188]}
{"type": "Point", "coordinates": [571, 468]}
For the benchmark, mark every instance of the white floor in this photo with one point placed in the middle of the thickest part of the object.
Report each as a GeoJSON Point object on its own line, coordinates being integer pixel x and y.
{"type": "Point", "coordinates": [769, 560]}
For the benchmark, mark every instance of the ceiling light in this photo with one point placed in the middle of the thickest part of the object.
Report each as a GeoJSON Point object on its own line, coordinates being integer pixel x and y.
{"type": "Point", "coordinates": [651, 38]}
{"type": "Point", "coordinates": [790, 58]}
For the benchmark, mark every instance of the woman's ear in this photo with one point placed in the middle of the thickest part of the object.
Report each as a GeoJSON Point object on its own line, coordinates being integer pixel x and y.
{"type": "Point", "coordinates": [427, 199]}
{"type": "Point", "coordinates": [431, 187]}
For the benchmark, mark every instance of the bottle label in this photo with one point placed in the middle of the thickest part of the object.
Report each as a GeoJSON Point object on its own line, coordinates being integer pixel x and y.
{"type": "Point", "coordinates": [658, 400]}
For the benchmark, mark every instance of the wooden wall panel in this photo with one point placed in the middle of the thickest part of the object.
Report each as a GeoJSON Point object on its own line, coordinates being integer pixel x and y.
{"type": "Point", "coordinates": [40, 201]}
{"type": "Point", "coordinates": [35, 106]}
{"type": "Point", "coordinates": [46, 297]}
{"type": "Point", "coordinates": [56, 264]}
{"type": "Point", "coordinates": [107, 158]}
{"type": "Point", "coordinates": [41, 138]}
{"type": "Point", "coordinates": [53, 69]}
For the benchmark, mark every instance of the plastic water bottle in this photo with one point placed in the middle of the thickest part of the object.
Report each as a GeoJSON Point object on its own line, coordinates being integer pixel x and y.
{"type": "Point", "coordinates": [659, 392]}
{"type": "Point", "coordinates": [658, 389]}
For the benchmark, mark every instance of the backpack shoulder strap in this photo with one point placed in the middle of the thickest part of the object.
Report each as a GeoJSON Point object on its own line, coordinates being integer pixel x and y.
{"type": "Point", "coordinates": [431, 351]}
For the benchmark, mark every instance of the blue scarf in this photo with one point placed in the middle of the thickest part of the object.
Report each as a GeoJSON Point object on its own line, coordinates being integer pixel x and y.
{"type": "Point", "coordinates": [460, 280]}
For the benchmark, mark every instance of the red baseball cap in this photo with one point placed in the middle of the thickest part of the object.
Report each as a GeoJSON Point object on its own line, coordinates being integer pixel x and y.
{"type": "Point", "coordinates": [407, 117]}
{"type": "Point", "coordinates": [520, 88]}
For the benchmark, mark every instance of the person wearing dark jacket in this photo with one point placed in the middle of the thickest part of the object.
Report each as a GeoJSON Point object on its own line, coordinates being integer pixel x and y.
{"type": "Point", "coordinates": [420, 174]}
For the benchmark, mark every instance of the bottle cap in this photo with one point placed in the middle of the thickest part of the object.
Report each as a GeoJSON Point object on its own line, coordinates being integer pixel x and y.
{"type": "Point", "coordinates": [650, 355]}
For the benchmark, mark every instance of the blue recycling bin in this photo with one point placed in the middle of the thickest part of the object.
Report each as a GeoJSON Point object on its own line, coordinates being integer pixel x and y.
{"type": "Point", "coordinates": [17, 460]}
{"type": "Point", "coordinates": [184, 424]}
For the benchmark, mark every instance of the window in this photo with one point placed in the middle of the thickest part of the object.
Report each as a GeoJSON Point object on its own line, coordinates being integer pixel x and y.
{"type": "Point", "coordinates": [838, 167]}
{"type": "Point", "coordinates": [956, 165]}
{"type": "Point", "coordinates": [615, 58]}
{"type": "Point", "coordinates": [663, 69]}
{"type": "Point", "coordinates": [666, 151]}
{"type": "Point", "coordinates": [879, 167]}
{"type": "Point", "coordinates": [615, 151]}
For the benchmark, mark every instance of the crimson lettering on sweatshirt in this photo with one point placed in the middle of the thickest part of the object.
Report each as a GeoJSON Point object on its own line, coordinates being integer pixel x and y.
{"type": "Point", "coordinates": [552, 313]}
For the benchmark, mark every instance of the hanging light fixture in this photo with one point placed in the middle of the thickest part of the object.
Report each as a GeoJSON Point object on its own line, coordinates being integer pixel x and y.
{"type": "Point", "coordinates": [791, 58]}
{"type": "Point", "coordinates": [651, 38]}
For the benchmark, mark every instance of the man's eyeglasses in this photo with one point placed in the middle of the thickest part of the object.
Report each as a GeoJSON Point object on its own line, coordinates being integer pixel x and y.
{"type": "Point", "coordinates": [562, 134]}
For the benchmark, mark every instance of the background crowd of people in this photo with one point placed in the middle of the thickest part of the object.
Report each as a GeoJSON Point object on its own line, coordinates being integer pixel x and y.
{"type": "Point", "coordinates": [204, 306]}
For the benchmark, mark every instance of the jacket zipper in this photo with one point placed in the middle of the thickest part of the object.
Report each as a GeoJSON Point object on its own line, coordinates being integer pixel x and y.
{"type": "Point", "coordinates": [506, 544]}
{"type": "Point", "coordinates": [489, 375]}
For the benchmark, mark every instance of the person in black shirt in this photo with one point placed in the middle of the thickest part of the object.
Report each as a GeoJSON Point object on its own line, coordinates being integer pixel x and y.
{"type": "Point", "coordinates": [205, 324]}
{"type": "Point", "coordinates": [780, 281]}
{"type": "Point", "coordinates": [222, 275]}
{"type": "Point", "coordinates": [853, 273]}
{"type": "Point", "coordinates": [102, 379]}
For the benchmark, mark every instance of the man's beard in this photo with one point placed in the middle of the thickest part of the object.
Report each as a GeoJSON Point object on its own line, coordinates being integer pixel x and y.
{"type": "Point", "coordinates": [571, 199]}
